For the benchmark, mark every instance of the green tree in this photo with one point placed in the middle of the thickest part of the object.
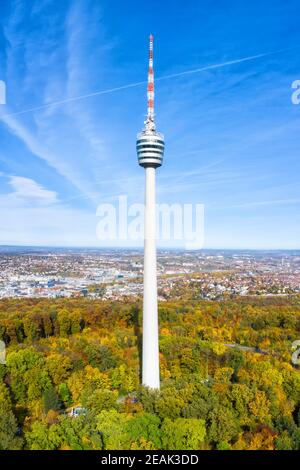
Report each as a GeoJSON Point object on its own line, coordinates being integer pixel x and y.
{"type": "Point", "coordinates": [59, 367]}
{"type": "Point", "coordinates": [111, 425]}
{"type": "Point", "coordinates": [28, 376]}
{"type": "Point", "coordinates": [144, 428]}
{"type": "Point", "coordinates": [64, 322]}
{"type": "Point", "coordinates": [8, 423]}
{"type": "Point", "coordinates": [203, 400]}
{"type": "Point", "coordinates": [100, 356]}
{"type": "Point", "coordinates": [80, 433]}
{"type": "Point", "coordinates": [284, 442]}
{"type": "Point", "coordinates": [3, 372]}
{"type": "Point", "coordinates": [98, 399]}
{"type": "Point", "coordinates": [223, 425]}
{"type": "Point", "coordinates": [64, 394]}
{"type": "Point", "coordinates": [51, 400]}
{"type": "Point", "coordinates": [43, 437]}
{"type": "Point", "coordinates": [169, 404]}
{"type": "Point", "coordinates": [182, 434]}
{"type": "Point", "coordinates": [147, 397]}
{"type": "Point", "coordinates": [8, 432]}
{"type": "Point", "coordinates": [70, 433]}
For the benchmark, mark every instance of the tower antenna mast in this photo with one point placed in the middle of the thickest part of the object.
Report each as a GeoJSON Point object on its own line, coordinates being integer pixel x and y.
{"type": "Point", "coordinates": [150, 125]}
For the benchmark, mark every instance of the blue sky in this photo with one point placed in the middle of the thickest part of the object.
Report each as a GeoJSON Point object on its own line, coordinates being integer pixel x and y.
{"type": "Point", "coordinates": [232, 132]}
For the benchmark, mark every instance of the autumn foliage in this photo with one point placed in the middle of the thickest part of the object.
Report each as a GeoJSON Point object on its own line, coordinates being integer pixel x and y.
{"type": "Point", "coordinates": [226, 373]}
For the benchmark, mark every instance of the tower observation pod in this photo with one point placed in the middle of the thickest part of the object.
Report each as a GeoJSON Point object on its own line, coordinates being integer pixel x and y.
{"type": "Point", "coordinates": [150, 150]}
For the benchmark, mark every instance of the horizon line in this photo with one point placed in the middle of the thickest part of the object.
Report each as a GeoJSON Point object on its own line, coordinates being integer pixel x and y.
{"type": "Point", "coordinates": [2, 245]}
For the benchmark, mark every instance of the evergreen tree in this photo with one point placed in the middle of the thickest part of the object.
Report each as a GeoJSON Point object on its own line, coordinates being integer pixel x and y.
{"type": "Point", "coordinates": [51, 400]}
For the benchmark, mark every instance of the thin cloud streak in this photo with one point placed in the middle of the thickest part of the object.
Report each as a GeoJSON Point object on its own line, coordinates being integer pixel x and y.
{"type": "Point", "coordinates": [136, 84]}
{"type": "Point", "coordinates": [41, 151]}
{"type": "Point", "coordinates": [268, 203]}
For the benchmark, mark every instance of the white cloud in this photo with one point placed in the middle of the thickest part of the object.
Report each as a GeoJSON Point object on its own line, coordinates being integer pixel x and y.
{"type": "Point", "coordinates": [28, 189]}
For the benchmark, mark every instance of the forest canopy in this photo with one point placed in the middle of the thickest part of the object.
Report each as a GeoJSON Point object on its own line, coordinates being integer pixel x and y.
{"type": "Point", "coordinates": [226, 373]}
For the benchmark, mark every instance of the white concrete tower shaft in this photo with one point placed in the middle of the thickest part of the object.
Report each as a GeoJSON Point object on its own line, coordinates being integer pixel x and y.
{"type": "Point", "coordinates": [150, 312]}
{"type": "Point", "coordinates": [150, 151]}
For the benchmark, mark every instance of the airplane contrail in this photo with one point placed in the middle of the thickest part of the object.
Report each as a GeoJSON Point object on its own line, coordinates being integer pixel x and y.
{"type": "Point", "coordinates": [223, 64]}
{"type": "Point", "coordinates": [136, 84]}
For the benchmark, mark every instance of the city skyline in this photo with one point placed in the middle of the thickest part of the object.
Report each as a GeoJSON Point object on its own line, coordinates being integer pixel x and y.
{"type": "Point", "coordinates": [224, 77]}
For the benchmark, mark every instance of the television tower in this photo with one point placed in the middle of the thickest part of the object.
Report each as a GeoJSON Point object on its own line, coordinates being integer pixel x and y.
{"type": "Point", "coordinates": [150, 150]}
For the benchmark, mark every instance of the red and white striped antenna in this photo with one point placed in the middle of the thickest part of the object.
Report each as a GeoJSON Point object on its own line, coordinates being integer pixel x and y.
{"type": "Point", "coordinates": [150, 89]}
